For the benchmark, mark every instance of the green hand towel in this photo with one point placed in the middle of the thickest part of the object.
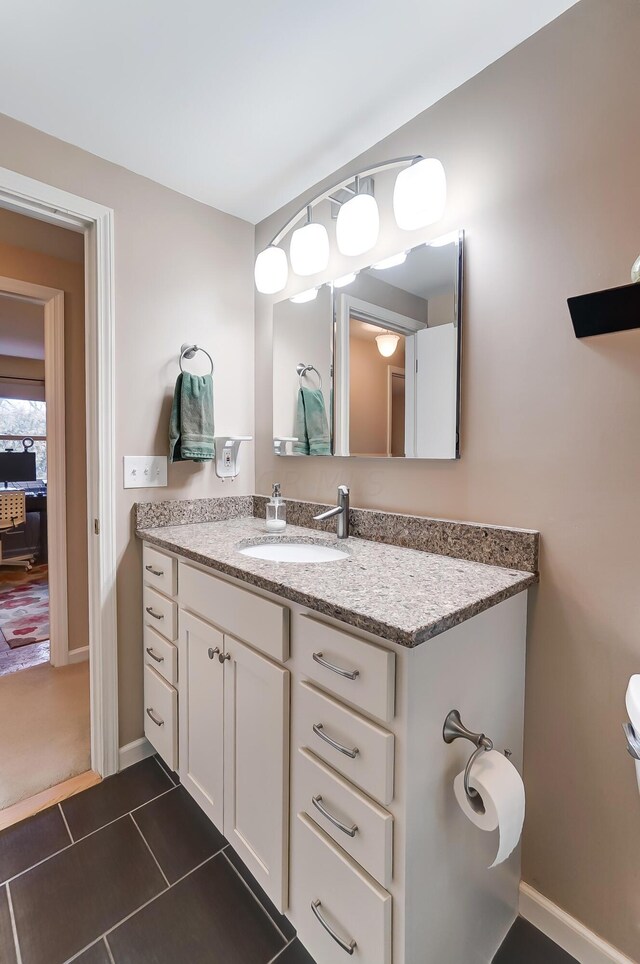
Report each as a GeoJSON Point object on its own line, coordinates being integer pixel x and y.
{"type": "Point", "coordinates": [312, 427]}
{"type": "Point", "coordinates": [191, 424]}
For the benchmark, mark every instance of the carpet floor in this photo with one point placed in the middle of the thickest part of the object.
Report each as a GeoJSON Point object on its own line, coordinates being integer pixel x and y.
{"type": "Point", "coordinates": [24, 606]}
{"type": "Point", "coordinates": [45, 729]}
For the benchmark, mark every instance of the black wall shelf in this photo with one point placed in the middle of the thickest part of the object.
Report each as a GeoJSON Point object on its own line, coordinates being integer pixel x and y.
{"type": "Point", "coordinates": [602, 312]}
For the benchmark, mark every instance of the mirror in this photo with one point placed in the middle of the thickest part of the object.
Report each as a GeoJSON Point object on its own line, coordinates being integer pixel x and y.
{"type": "Point", "coordinates": [370, 367]}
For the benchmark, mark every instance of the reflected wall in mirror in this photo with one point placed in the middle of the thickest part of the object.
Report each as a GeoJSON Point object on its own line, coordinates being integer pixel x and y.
{"type": "Point", "coordinates": [391, 340]}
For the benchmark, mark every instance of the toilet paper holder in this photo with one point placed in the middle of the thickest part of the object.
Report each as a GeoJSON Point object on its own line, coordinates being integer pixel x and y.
{"type": "Point", "coordinates": [454, 729]}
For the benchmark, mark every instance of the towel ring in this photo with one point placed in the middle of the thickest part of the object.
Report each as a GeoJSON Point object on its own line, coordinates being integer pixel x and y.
{"type": "Point", "coordinates": [303, 369]}
{"type": "Point", "coordinates": [188, 351]}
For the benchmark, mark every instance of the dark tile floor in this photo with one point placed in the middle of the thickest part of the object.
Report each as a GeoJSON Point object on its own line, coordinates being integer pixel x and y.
{"type": "Point", "coordinates": [132, 872]}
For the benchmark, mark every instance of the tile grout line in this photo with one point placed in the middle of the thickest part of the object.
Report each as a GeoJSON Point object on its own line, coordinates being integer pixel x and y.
{"type": "Point", "coordinates": [166, 772]}
{"type": "Point", "coordinates": [14, 928]}
{"type": "Point", "coordinates": [106, 944]}
{"type": "Point", "coordinates": [281, 951]}
{"type": "Point", "coordinates": [255, 897]}
{"type": "Point", "coordinates": [147, 845]}
{"type": "Point", "coordinates": [65, 822]}
{"type": "Point", "coordinates": [133, 913]}
{"type": "Point", "coordinates": [86, 836]}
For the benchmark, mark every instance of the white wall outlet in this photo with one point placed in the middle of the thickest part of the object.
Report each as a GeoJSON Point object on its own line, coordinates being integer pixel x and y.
{"type": "Point", "coordinates": [144, 471]}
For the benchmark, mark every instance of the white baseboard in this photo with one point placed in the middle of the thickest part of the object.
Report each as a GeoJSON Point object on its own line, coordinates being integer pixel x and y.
{"type": "Point", "coordinates": [134, 752]}
{"type": "Point", "coordinates": [79, 655]}
{"type": "Point", "coordinates": [566, 931]}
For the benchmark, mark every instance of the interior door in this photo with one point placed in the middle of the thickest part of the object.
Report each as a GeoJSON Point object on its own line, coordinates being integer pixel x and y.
{"type": "Point", "coordinates": [256, 766]}
{"type": "Point", "coordinates": [201, 679]}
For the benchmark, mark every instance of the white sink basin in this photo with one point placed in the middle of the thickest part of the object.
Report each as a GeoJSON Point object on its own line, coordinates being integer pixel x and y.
{"type": "Point", "coordinates": [294, 552]}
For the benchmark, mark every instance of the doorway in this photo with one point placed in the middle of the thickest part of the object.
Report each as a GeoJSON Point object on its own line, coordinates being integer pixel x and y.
{"type": "Point", "coordinates": [94, 223]}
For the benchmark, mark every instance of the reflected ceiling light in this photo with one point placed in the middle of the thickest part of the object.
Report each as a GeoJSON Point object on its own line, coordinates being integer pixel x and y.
{"type": "Point", "coordinates": [391, 262]}
{"type": "Point", "coordinates": [418, 200]}
{"type": "Point", "coordinates": [309, 249]}
{"type": "Point", "coordinates": [271, 270]}
{"type": "Point", "coordinates": [387, 343]}
{"type": "Point", "coordinates": [452, 238]}
{"type": "Point", "coordinates": [420, 194]}
{"type": "Point", "coordinates": [309, 295]}
{"type": "Point", "coordinates": [358, 224]}
{"type": "Point", "coordinates": [346, 279]}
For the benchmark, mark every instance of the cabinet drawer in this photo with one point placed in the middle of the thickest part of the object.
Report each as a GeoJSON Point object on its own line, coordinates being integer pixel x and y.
{"type": "Point", "coordinates": [159, 570]}
{"type": "Point", "coordinates": [359, 672]}
{"type": "Point", "coordinates": [161, 655]}
{"type": "Point", "coordinates": [160, 613]}
{"type": "Point", "coordinates": [364, 752]}
{"type": "Point", "coordinates": [347, 900]}
{"type": "Point", "coordinates": [161, 716]}
{"type": "Point", "coordinates": [257, 621]}
{"type": "Point", "coordinates": [355, 822]}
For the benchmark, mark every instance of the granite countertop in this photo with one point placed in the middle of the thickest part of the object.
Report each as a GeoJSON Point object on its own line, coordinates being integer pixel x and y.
{"type": "Point", "coordinates": [403, 595]}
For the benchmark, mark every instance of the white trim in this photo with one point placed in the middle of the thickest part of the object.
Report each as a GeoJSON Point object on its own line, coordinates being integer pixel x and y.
{"type": "Point", "coordinates": [27, 196]}
{"type": "Point", "coordinates": [79, 655]}
{"type": "Point", "coordinates": [134, 752]}
{"type": "Point", "coordinates": [52, 300]}
{"type": "Point", "coordinates": [566, 931]}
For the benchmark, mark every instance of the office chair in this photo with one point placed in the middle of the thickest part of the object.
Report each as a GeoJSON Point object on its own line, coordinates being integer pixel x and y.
{"type": "Point", "coordinates": [13, 515]}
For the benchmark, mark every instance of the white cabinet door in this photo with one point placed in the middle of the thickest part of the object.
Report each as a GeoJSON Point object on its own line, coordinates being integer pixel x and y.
{"type": "Point", "coordinates": [256, 766]}
{"type": "Point", "coordinates": [201, 714]}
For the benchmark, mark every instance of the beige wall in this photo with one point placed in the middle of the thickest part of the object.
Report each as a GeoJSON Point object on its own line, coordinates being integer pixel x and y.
{"type": "Point", "coordinates": [42, 269]}
{"type": "Point", "coordinates": [542, 152]}
{"type": "Point", "coordinates": [183, 271]}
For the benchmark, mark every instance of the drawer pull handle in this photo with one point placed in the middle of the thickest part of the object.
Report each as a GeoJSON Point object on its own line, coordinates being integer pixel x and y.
{"type": "Point", "coordinates": [347, 673]}
{"type": "Point", "coordinates": [211, 652]}
{"type": "Point", "coordinates": [154, 572]}
{"type": "Point", "coordinates": [350, 831]}
{"type": "Point", "coordinates": [318, 729]}
{"type": "Point", "coordinates": [155, 615]}
{"type": "Point", "coordinates": [223, 656]}
{"type": "Point", "coordinates": [348, 946]}
{"type": "Point", "coordinates": [155, 719]}
{"type": "Point", "coordinates": [158, 659]}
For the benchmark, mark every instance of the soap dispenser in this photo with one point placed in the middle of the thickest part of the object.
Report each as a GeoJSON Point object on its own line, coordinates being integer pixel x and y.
{"type": "Point", "coordinates": [276, 517]}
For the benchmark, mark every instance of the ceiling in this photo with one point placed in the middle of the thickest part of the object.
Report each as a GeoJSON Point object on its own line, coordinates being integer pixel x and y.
{"type": "Point", "coordinates": [244, 105]}
{"type": "Point", "coordinates": [21, 328]}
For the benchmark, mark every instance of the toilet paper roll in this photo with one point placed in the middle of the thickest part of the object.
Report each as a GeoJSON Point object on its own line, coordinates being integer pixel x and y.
{"type": "Point", "coordinates": [502, 794]}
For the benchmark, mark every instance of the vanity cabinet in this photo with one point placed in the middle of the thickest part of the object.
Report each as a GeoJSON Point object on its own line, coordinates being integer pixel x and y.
{"type": "Point", "coordinates": [317, 750]}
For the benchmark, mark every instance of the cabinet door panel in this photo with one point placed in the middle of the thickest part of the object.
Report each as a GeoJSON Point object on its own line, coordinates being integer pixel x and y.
{"type": "Point", "coordinates": [201, 714]}
{"type": "Point", "coordinates": [256, 766]}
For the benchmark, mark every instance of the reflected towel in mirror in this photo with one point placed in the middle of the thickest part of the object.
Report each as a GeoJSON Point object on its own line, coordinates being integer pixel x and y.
{"type": "Point", "coordinates": [312, 427]}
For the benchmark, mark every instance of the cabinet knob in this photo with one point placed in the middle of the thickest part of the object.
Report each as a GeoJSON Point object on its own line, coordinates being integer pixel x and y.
{"type": "Point", "coordinates": [211, 652]}
{"type": "Point", "coordinates": [223, 656]}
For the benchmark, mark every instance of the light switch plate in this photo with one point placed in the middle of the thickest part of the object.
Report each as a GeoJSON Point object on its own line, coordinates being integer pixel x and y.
{"type": "Point", "coordinates": [144, 471]}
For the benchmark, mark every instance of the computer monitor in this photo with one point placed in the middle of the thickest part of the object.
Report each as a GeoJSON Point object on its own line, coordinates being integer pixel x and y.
{"type": "Point", "coordinates": [17, 466]}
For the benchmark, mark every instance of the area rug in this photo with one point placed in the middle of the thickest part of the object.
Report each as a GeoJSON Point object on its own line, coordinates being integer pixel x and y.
{"type": "Point", "coordinates": [24, 606]}
{"type": "Point", "coordinates": [45, 727]}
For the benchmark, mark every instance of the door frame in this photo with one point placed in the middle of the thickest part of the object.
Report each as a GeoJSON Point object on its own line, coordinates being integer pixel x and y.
{"type": "Point", "coordinates": [36, 199]}
{"type": "Point", "coordinates": [52, 301]}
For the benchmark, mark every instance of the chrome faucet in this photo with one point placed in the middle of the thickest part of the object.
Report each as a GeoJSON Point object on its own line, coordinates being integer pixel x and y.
{"type": "Point", "coordinates": [341, 510]}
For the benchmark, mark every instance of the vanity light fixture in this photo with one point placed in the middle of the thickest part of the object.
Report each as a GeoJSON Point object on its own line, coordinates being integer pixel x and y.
{"type": "Point", "coordinates": [420, 194]}
{"type": "Point", "coordinates": [271, 270]}
{"type": "Point", "coordinates": [358, 224]}
{"type": "Point", "coordinates": [418, 200]}
{"type": "Point", "coordinates": [391, 262]}
{"type": "Point", "coordinates": [309, 249]}
{"type": "Point", "coordinates": [309, 295]}
{"type": "Point", "coordinates": [346, 279]}
{"type": "Point", "coordinates": [387, 343]}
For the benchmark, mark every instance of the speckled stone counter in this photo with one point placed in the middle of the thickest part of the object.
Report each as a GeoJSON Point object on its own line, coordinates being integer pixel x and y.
{"type": "Point", "coordinates": [401, 594]}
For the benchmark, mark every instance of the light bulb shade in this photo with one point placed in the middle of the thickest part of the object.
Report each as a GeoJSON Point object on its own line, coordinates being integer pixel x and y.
{"type": "Point", "coordinates": [309, 249]}
{"type": "Point", "coordinates": [358, 225]}
{"type": "Point", "coordinates": [271, 270]}
{"type": "Point", "coordinates": [420, 194]}
{"type": "Point", "coordinates": [387, 343]}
